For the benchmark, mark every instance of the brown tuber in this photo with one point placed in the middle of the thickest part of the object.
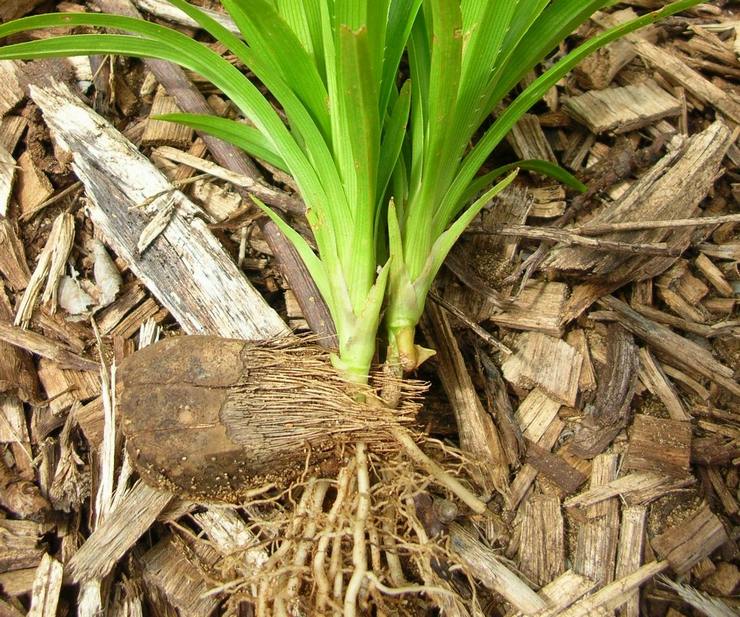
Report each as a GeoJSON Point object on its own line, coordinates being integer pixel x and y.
{"type": "Point", "coordinates": [214, 418]}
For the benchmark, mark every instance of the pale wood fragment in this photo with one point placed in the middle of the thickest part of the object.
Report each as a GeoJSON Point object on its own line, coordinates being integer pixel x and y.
{"type": "Point", "coordinates": [538, 307]}
{"type": "Point", "coordinates": [655, 380]}
{"type": "Point", "coordinates": [20, 541]}
{"type": "Point", "coordinates": [486, 566]}
{"type": "Point", "coordinates": [478, 434]}
{"type": "Point", "coordinates": [42, 346]}
{"type": "Point", "coordinates": [615, 594]}
{"type": "Point", "coordinates": [527, 474]}
{"type": "Point", "coordinates": [547, 362]}
{"type": "Point", "coordinates": [671, 189]}
{"type": "Point", "coordinates": [542, 543]}
{"type": "Point", "coordinates": [679, 349]}
{"type": "Point", "coordinates": [165, 10]}
{"type": "Point", "coordinates": [180, 581]}
{"type": "Point", "coordinates": [587, 381]}
{"type": "Point", "coordinates": [535, 414]}
{"type": "Point", "coordinates": [637, 487]}
{"type": "Point", "coordinates": [683, 545]}
{"type": "Point", "coordinates": [726, 498]}
{"type": "Point", "coordinates": [159, 132]}
{"type": "Point", "coordinates": [7, 175]}
{"type": "Point", "coordinates": [11, 130]}
{"type": "Point", "coordinates": [623, 109]}
{"type": "Point", "coordinates": [596, 544]}
{"type": "Point", "coordinates": [714, 275]}
{"type": "Point", "coordinates": [186, 268]}
{"type": "Point", "coordinates": [46, 588]}
{"type": "Point", "coordinates": [528, 140]}
{"type": "Point", "coordinates": [11, 93]}
{"type": "Point", "coordinates": [562, 592]}
{"type": "Point", "coordinates": [659, 445]}
{"type": "Point", "coordinates": [32, 187]}
{"type": "Point", "coordinates": [629, 553]}
{"type": "Point", "coordinates": [549, 201]}
{"type": "Point", "coordinates": [120, 530]}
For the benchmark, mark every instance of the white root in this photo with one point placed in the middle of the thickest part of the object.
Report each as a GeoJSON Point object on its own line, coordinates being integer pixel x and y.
{"type": "Point", "coordinates": [322, 580]}
{"type": "Point", "coordinates": [440, 475]}
{"type": "Point", "coordinates": [359, 549]}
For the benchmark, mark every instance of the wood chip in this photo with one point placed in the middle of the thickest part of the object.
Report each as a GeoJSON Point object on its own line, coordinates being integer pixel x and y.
{"type": "Point", "coordinates": [547, 362]}
{"type": "Point", "coordinates": [542, 543]}
{"type": "Point", "coordinates": [538, 307]}
{"type": "Point", "coordinates": [46, 588]}
{"type": "Point", "coordinates": [683, 545]}
{"type": "Point", "coordinates": [478, 434]}
{"type": "Point", "coordinates": [167, 567]}
{"type": "Point", "coordinates": [659, 445]}
{"type": "Point", "coordinates": [652, 375]}
{"type": "Point", "coordinates": [159, 132]}
{"type": "Point", "coordinates": [186, 268]}
{"type": "Point", "coordinates": [554, 468]}
{"type": "Point", "coordinates": [596, 544]}
{"type": "Point", "coordinates": [11, 93]}
{"type": "Point", "coordinates": [609, 413]}
{"type": "Point", "coordinates": [528, 140]}
{"type": "Point", "coordinates": [624, 109]}
{"type": "Point", "coordinates": [629, 553]}
{"type": "Point", "coordinates": [32, 187]}
{"type": "Point", "coordinates": [535, 414]}
{"type": "Point", "coordinates": [679, 349]}
{"type": "Point", "coordinates": [487, 567]}
{"type": "Point", "coordinates": [134, 515]}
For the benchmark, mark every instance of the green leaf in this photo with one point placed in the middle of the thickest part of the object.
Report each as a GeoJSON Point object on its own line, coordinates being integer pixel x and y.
{"type": "Point", "coordinates": [546, 168]}
{"type": "Point", "coordinates": [236, 133]}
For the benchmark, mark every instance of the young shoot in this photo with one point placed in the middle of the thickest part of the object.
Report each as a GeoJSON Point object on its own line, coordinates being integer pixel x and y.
{"type": "Point", "coordinates": [386, 159]}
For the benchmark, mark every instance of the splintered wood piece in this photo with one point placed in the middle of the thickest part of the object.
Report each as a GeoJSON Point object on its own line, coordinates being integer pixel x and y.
{"type": "Point", "coordinates": [671, 189]}
{"type": "Point", "coordinates": [615, 594]}
{"type": "Point", "coordinates": [65, 386]}
{"type": "Point", "coordinates": [690, 541]}
{"type": "Point", "coordinates": [714, 275]}
{"type": "Point", "coordinates": [635, 488]}
{"type": "Point", "coordinates": [724, 581]}
{"type": "Point", "coordinates": [487, 567]}
{"type": "Point", "coordinates": [537, 308]}
{"type": "Point", "coordinates": [11, 130]}
{"type": "Point", "coordinates": [535, 414]}
{"type": "Point", "coordinates": [18, 376]}
{"type": "Point", "coordinates": [13, 264]}
{"type": "Point", "coordinates": [549, 201]}
{"type": "Point", "coordinates": [624, 109]}
{"type": "Point", "coordinates": [11, 93]}
{"type": "Point", "coordinates": [122, 528]}
{"type": "Point", "coordinates": [478, 434]}
{"type": "Point", "coordinates": [608, 415]}
{"type": "Point", "coordinates": [159, 132]}
{"type": "Point", "coordinates": [547, 362]}
{"type": "Point", "coordinates": [596, 544]}
{"type": "Point", "coordinates": [562, 592]}
{"type": "Point", "coordinates": [167, 567]}
{"type": "Point", "coordinates": [629, 553]}
{"type": "Point", "coordinates": [7, 175]}
{"type": "Point", "coordinates": [46, 588]}
{"type": "Point", "coordinates": [528, 140]}
{"type": "Point", "coordinates": [20, 541]}
{"type": "Point", "coordinates": [655, 380]}
{"type": "Point", "coordinates": [213, 418]}
{"type": "Point", "coordinates": [32, 187]}
{"type": "Point", "coordinates": [542, 543]}
{"type": "Point", "coordinates": [186, 268]}
{"type": "Point", "coordinates": [659, 445]}
{"type": "Point", "coordinates": [554, 468]}
{"type": "Point", "coordinates": [587, 381]}
{"type": "Point", "coordinates": [46, 348]}
{"type": "Point", "coordinates": [527, 474]}
{"type": "Point", "coordinates": [680, 350]}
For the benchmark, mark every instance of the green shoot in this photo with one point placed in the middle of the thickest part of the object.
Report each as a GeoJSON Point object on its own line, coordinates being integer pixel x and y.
{"type": "Point", "coordinates": [384, 163]}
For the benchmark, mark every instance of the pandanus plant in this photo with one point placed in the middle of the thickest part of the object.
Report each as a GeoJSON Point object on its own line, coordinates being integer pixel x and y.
{"type": "Point", "coordinates": [384, 127]}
